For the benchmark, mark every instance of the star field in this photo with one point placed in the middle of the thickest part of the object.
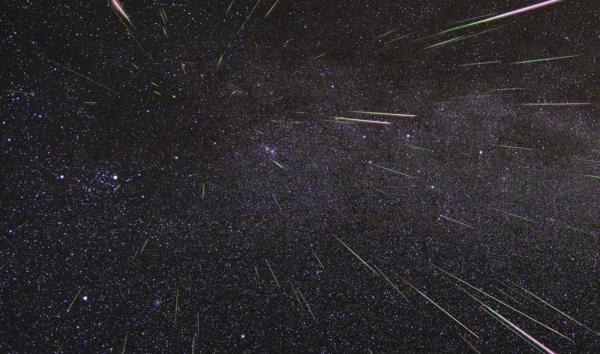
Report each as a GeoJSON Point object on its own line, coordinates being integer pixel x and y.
{"type": "Point", "coordinates": [300, 176]}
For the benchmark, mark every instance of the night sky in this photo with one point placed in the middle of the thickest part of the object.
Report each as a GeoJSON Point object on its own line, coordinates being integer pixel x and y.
{"type": "Point", "coordinates": [300, 176]}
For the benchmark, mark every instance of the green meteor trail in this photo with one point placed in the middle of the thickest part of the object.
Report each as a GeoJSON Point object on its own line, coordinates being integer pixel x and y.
{"type": "Point", "coordinates": [278, 164]}
{"type": "Point", "coordinates": [451, 40]}
{"type": "Point", "coordinates": [471, 286]}
{"type": "Point", "coordinates": [544, 59]}
{"type": "Point", "coordinates": [439, 307]}
{"type": "Point", "coordinates": [501, 16]}
{"type": "Point", "coordinates": [472, 18]}
{"type": "Point", "coordinates": [554, 308]}
{"type": "Point", "coordinates": [456, 39]}
{"type": "Point", "coordinates": [514, 328]}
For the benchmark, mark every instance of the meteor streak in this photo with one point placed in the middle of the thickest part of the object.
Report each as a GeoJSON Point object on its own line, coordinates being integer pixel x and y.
{"type": "Point", "coordinates": [557, 104]}
{"type": "Point", "coordinates": [439, 307]}
{"type": "Point", "coordinates": [511, 325]}
{"type": "Point", "coordinates": [500, 301]}
{"type": "Point", "coordinates": [354, 120]}
{"type": "Point", "coordinates": [554, 308]}
{"type": "Point", "coordinates": [118, 7]}
{"type": "Point", "coordinates": [390, 170]}
{"type": "Point", "coordinates": [456, 221]}
{"type": "Point", "coordinates": [357, 256]}
{"type": "Point", "coordinates": [504, 15]}
{"type": "Point", "coordinates": [272, 8]}
{"type": "Point", "coordinates": [483, 63]}
{"type": "Point", "coordinates": [385, 114]}
{"type": "Point", "coordinates": [544, 59]}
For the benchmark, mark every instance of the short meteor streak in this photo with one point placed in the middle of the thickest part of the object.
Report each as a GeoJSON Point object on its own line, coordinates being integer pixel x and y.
{"type": "Point", "coordinates": [439, 307]}
{"type": "Point", "coordinates": [470, 345]}
{"type": "Point", "coordinates": [272, 8]}
{"type": "Point", "coordinates": [74, 299]}
{"type": "Point", "coordinates": [385, 34]}
{"type": "Point", "coordinates": [482, 63]}
{"type": "Point", "coordinates": [544, 59]}
{"type": "Point", "coordinates": [278, 164]}
{"type": "Point", "coordinates": [390, 170]}
{"type": "Point", "coordinates": [318, 259]}
{"type": "Point", "coordinates": [229, 8]}
{"type": "Point", "coordinates": [403, 115]}
{"type": "Point", "coordinates": [500, 302]}
{"type": "Point", "coordinates": [554, 308]}
{"type": "Point", "coordinates": [307, 305]}
{"type": "Point", "coordinates": [417, 147]}
{"type": "Point", "coordinates": [124, 345]}
{"type": "Point", "coordinates": [510, 89]}
{"type": "Point", "coordinates": [593, 176]}
{"type": "Point", "coordinates": [176, 304]}
{"type": "Point", "coordinates": [514, 215]}
{"type": "Point", "coordinates": [277, 202]}
{"type": "Point", "coordinates": [247, 18]}
{"type": "Point", "coordinates": [354, 120]}
{"type": "Point", "coordinates": [460, 38]}
{"type": "Point", "coordinates": [586, 160]}
{"type": "Point", "coordinates": [272, 273]}
{"type": "Point", "coordinates": [397, 39]}
{"type": "Point", "coordinates": [514, 147]}
{"type": "Point", "coordinates": [449, 41]}
{"type": "Point", "coordinates": [321, 55]}
{"type": "Point", "coordinates": [357, 256]}
{"type": "Point", "coordinates": [557, 104]}
{"type": "Point", "coordinates": [456, 221]}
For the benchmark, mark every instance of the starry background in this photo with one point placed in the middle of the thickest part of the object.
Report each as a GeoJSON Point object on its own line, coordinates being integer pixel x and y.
{"type": "Point", "coordinates": [142, 209]}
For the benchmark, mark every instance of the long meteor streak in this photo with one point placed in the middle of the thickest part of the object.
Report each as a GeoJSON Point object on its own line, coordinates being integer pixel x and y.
{"type": "Point", "coordinates": [354, 120]}
{"type": "Point", "coordinates": [357, 256]}
{"type": "Point", "coordinates": [500, 301]}
{"type": "Point", "coordinates": [511, 325]}
{"type": "Point", "coordinates": [557, 104]}
{"type": "Point", "coordinates": [504, 15]}
{"type": "Point", "coordinates": [439, 307]}
{"type": "Point", "coordinates": [385, 114]}
{"type": "Point", "coordinates": [118, 7]}
{"type": "Point", "coordinates": [554, 308]}
{"type": "Point", "coordinates": [544, 59]}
